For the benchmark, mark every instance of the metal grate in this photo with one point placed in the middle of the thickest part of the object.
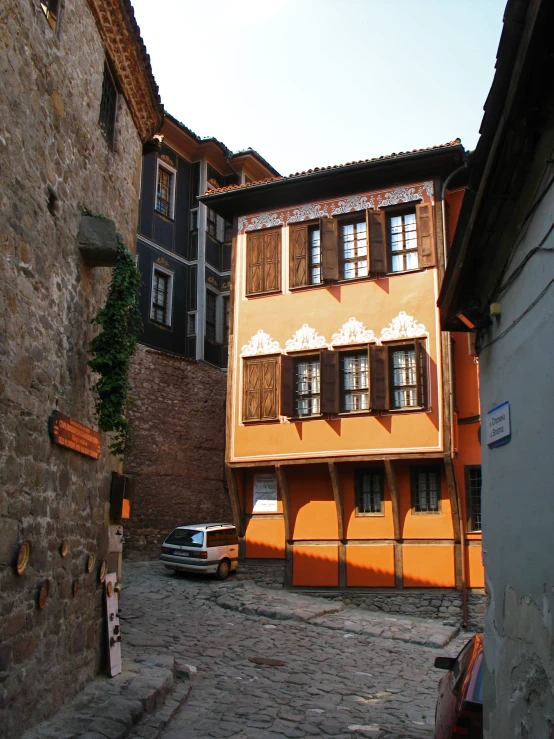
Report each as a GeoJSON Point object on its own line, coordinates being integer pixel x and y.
{"type": "Point", "coordinates": [108, 105]}
{"type": "Point", "coordinates": [369, 491]}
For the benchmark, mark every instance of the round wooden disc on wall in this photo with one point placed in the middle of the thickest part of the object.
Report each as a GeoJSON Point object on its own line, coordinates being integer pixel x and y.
{"type": "Point", "coordinates": [102, 570]}
{"type": "Point", "coordinates": [23, 556]}
{"type": "Point", "coordinates": [43, 593]}
{"type": "Point", "coordinates": [64, 548]}
{"type": "Point", "coordinates": [75, 587]}
{"type": "Point", "coordinates": [90, 562]}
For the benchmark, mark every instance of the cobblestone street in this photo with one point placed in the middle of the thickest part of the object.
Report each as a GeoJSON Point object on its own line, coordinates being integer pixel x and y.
{"type": "Point", "coordinates": [303, 670]}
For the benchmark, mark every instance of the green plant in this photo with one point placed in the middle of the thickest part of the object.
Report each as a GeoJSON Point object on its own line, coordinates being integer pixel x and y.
{"type": "Point", "coordinates": [114, 346]}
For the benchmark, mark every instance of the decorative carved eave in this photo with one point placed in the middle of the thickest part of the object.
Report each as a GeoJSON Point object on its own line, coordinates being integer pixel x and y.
{"type": "Point", "coordinates": [121, 35]}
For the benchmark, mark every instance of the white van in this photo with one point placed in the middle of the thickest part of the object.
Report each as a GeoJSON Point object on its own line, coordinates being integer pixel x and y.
{"type": "Point", "coordinates": [202, 547]}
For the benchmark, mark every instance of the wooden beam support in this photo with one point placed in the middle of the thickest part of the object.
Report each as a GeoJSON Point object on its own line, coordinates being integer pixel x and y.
{"type": "Point", "coordinates": [284, 492]}
{"type": "Point", "coordinates": [337, 495]}
{"type": "Point", "coordinates": [395, 500]}
{"type": "Point", "coordinates": [455, 507]}
{"type": "Point", "coordinates": [342, 564]}
{"type": "Point", "coordinates": [238, 517]}
{"type": "Point", "coordinates": [408, 456]}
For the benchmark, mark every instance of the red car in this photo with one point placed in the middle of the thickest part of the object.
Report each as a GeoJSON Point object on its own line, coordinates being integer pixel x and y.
{"type": "Point", "coordinates": [460, 703]}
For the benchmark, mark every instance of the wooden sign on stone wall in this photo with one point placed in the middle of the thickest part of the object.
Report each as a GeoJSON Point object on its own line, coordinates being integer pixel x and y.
{"type": "Point", "coordinates": [71, 434]}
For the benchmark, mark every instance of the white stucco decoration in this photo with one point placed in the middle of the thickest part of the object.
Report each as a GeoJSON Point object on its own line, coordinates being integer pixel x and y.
{"type": "Point", "coordinates": [305, 338]}
{"type": "Point", "coordinates": [404, 194]}
{"type": "Point", "coordinates": [260, 343]}
{"type": "Point", "coordinates": [354, 202]}
{"type": "Point", "coordinates": [307, 213]}
{"type": "Point", "coordinates": [403, 327]}
{"type": "Point", "coordinates": [264, 220]}
{"type": "Point", "coordinates": [352, 332]}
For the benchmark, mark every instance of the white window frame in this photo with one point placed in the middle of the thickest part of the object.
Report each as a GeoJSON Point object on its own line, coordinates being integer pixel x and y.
{"type": "Point", "coordinates": [173, 174]}
{"type": "Point", "coordinates": [169, 314]}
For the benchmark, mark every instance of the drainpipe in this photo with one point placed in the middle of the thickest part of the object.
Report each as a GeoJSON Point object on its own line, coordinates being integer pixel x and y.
{"type": "Point", "coordinates": [451, 395]}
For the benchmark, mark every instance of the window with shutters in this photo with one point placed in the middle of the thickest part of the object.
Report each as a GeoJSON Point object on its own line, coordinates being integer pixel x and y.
{"type": "Point", "coordinates": [368, 488]}
{"type": "Point", "coordinates": [399, 376]}
{"type": "Point", "coordinates": [410, 238]}
{"type": "Point", "coordinates": [354, 381]}
{"type": "Point", "coordinates": [354, 252]}
{"type": "Point", "coordinates": [426, 489]}
{"type": "Point", "coordinates": [212, 223]}
{"type": "Point", "coordinates": [473, 497]}
{"type": "Point", "coordinates": [305, 255]}
{"type": "Point", "coordinates": [161, 296]}
{"type": "Point", "coordinates": [260, 389]}
{"type": "Point", "coordinates": [263, 262]}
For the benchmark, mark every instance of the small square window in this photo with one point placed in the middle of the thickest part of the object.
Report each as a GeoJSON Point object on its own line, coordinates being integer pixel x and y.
{"type": "Point", "coordinates": [368, 485]}
{"type": "Point", "coordinates": [165, 190]}
{"type": "Point", "coordinates": [473, 493]}
{"type": "Point", "coordinates": [108, 106]}
{"type": "Point", "coordinates": [426, 489]}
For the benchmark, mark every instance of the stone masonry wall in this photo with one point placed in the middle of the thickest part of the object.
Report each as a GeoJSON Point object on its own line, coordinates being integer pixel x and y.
{"type": "Point", "coordinates": [178, 448]}
{"type": "Point", "coordinates": [54, 162]}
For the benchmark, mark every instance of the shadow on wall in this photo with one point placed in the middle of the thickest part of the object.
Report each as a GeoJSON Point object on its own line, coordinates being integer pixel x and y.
{"type": "Point", "coordinates": [371, 566]}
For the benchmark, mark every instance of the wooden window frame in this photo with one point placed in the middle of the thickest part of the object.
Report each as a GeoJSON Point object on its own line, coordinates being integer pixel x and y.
{"type": "Point", "coordinates": [263, 391]}
{"type": "Point", "coordinates": [258, 270]}
{"type": "Point", "coordinates": [107, 117]}
{"type": "Point", "coordinates": [425, 238]}
{"type": "Point", "coordinates": [414, 472]}
{"type": "Point", "coordinates": [468, 469]}
{"type": "Point", "coordinates": [359, 472]}
{"type": "Point", "coordinates": [171, 173]}
{"type": "Point", "coordinates": [353, 219]}
{"type": "Point", "coordinates": [311, 357]}
{"type": "Point", "coordinates": [168, 305]}
{"type": "Point", "coordinates": [422, 375]}
{"type": "Point", "coordinates": [353, 350]}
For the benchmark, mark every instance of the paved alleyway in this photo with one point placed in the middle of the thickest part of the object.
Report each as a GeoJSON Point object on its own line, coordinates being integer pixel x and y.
{"type": "Point", "coordinates": [332, 678]}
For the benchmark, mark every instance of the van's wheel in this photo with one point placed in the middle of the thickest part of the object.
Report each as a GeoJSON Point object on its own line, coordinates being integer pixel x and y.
{"type": "Point", "coordinates": [223, 569]}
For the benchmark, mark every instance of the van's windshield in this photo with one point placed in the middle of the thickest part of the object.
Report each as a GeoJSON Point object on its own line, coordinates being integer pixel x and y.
{"type": "Point", "coordinates": [186, 538]}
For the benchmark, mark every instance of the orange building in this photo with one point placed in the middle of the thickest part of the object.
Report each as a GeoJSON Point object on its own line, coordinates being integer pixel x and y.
{"type": "Point", "coordinates": [352, 444]}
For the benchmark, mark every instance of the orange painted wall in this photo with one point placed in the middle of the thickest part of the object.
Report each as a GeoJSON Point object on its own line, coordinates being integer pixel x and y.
{"type": "Point", "coordinates": [454, 200]}
{"type": "Point", "coordinates": [422, 525]}
{"type": "Point", "coordinates": [363, 527]}
{"type": "Point", "coordinates": [475, 571]}
{"type": "Point", "coordinates": [467, 378]}
{"type": "Point", "coordinates": [265, 538]}
{"type": "Point", "coordinates": [370, 566]}
{"type": "Point", "coordinates": [316, 566]}
{"type": "Point", "coordinates": [312, 506]}
{"type": "Point", "coordinates": [429, 566]}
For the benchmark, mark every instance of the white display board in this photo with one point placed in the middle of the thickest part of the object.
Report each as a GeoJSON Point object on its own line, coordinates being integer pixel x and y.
{"type": "Point", "coordinates": [265, 494]}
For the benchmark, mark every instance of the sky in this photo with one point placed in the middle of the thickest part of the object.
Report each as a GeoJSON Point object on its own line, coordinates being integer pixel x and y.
{"type": "Point", "coordinates": [311, 83]}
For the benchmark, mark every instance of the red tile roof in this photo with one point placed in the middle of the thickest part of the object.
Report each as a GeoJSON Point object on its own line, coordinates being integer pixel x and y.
{"type": "Point", "coordinates": [455, 142]}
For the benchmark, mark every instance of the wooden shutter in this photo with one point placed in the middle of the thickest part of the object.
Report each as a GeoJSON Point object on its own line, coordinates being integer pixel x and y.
{"type": "Point", "coordinates": [425, 245]}
{"type": "Point", "coordinates": [329, 235]}
{"type": "Point", "coordinates": [329, 374]}
{"type": "Point", "coordinates": [421, 368]}
{"type": "Point", "coordinates": [379, 378]}
{"type": "Point", "coordinates": [254, 263]}
{"type": "Point", "coordinates": [376, 224]}
{"type": "Point", "coordinates": [272, 260]}
{"type": "Point", "coordinates": [270, 388]}
{"type": "Point", "coordinates": [287, 386]}
{"type": "Point", "coordinates": [298, 256]}
{"type": "Point", "coordinates": [251, 391]}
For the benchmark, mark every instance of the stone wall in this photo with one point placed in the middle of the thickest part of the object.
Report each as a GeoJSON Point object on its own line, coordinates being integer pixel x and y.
{"type": "Point", "coordinates": [178, 449]}
{"type": "Point", "coordinates": [54, 162]}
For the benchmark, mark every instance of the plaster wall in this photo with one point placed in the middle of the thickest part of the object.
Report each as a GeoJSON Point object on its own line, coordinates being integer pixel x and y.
{"type": "Point", "coordinates": [518, 542]}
